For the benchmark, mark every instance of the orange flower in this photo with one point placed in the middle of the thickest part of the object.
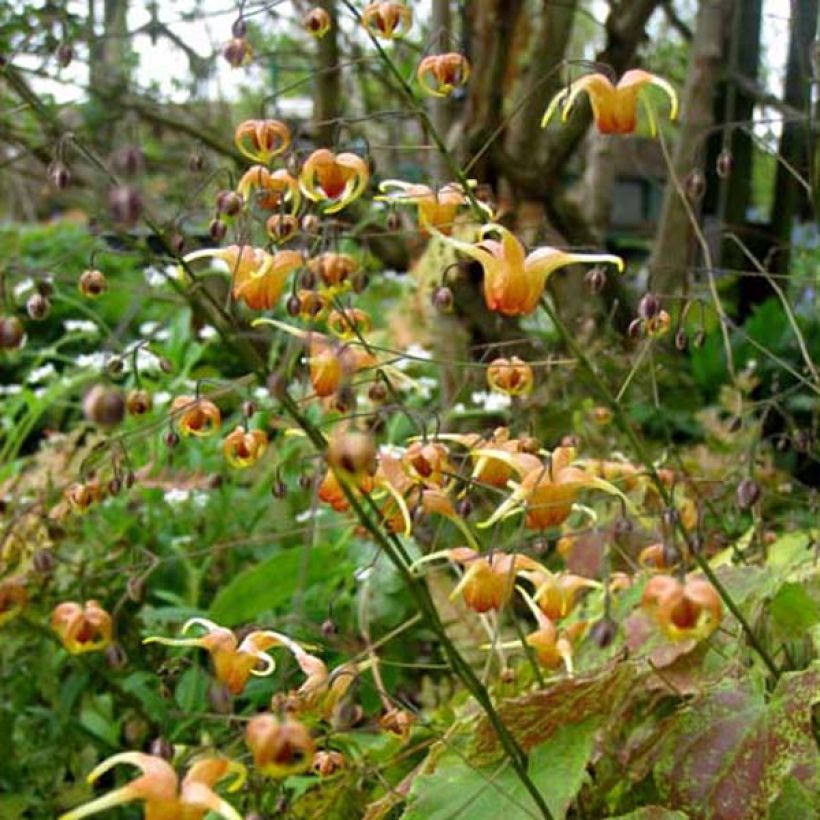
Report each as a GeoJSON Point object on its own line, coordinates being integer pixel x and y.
{"type": "Point", "coordinates": [333, 179]}
{"type": "Point", "coordinates": [333, 268]}
{"type": "Point", "coordinates": [243, 449]}
{"type": "Point", "coordinates": [427, 463]}
{"type": "Point", "coordinates": [234, 662]}
{"type": "Point", "coordinates": [553, 648]}
{"type": "Point", "coordinates": [689, 610]}
{"type": "Point", "coordinates": [158, 787]}
{"type": "Point", "coordinates": [440, 74]}
{"type": "Point", "coordinates": [326, 763]}
{"type": "Point", "coordinates": [513, 280]}
{"type": "Point", "coordinates": [512, 376]}
{"type": "Point", "coordinates": [349, 323]}
{"type": "Point", "coordinates": [387, 20]}
{"type": "Point", "coordinates": [13, 597]}
{"type": "Point", "coordinates": [556, 595]}
{"type": "Point", "coordinates": [398, 722]}
{"type": "Point", "coordinates": [196, 417]}
{"type": "Point", "coordinates": [82, 628]}
{"type": "Point", "coordinates": [437, 208]}
{"type": "Point", "coordinates": [317, 23]}
{"type": "Point", "coordinates": [262, 140]}
{"type": "Point", "coordinates": [488, 581]}
{"type": "Point", "coordinates": [279, 748]}
{"type": "Point", "coordinates": [331, 365]}
{"type": "Point", "coordinates": [270, 191]}
{"type": "Point", "coordinates": [614, 107]}
{"type": "Point", "coordinates": [80, 496]}
{"type": "Point", "coordinates": [281, 227]}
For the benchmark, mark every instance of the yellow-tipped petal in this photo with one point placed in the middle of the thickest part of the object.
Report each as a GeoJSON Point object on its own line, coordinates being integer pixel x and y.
{"type": "Point", "coordinates": [553, 106]}
{"type": "Point", "coordinates": [107, 801]}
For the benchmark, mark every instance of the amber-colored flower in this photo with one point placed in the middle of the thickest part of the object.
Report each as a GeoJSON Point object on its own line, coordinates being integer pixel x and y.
{"type": "Point", "coordinates": [512, 376]}
{"type": "Point", "coordinates": [657, 325]}
{"type": "Point", "coordinates": [332, 364]}
{"type": "Point", "coordinates": [244, 448]}
{"type": "Point", "coordinates": [488, 581]}
{"type": "Point", "coordinates": [312, 304]}
{"type": "Point", "coordinates": [335, 180]}
{"type": "Point", "coordinates": [387, 20]}
{"type": "Point", "coordinates": [196, 417]}
{"type": "Point", "coordinates": [270, 190]}
{"type": "Point", "coordinates": [553, 647]}
{"type": "Point", "coordinates": [614, 107]}
{"type": "Point", "coordinates": [514, 280]}
{"type": "Point", "coordinates": [333, 268]}
{"type": "Point", "coordinates": [349, 323]}
{"type": "Point", "coordinates": [82, 628]}
{"type": "Point", "coordinates": [281, 227]}
{"type": "Point", "coordinates": [238, 52]}
{"type": "Point", "coordinates": [428, 463]}
{"type": "Point", "coordinates": [326, 763]}
{"type": "Point", "coordinates": [653, 557]}
{"type": "Point", "coordinates": [688, 610]}
{"type": "Point", "coordinates": [279, 748]}
{"type": "Point", "coordinates": [159, 789]}
{"type": "Point", "coordinates": [234, 662]}
{"type": "Point", "coordinates": [262, 140]}
{"type": "Point", "coordinates": [437, 208]}
{"type": "Point", "coordinates": [440, 74]}
{"type": "Point", "coordinates": [556, 595]}
{"type": "Point", "coordinates": [13, 597]}
{"type": "Point", "coordinates": [398, 722]}
{"type": "Point", "coordinates": [317, 23]}
{"type": "Point", "coordinates": [92, 283]}
{"type": "Point", "coordinates": [81, 495]}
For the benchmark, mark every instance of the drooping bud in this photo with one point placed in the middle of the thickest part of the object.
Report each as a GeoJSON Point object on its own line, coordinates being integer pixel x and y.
{"type": "Point", "coordinates": [724, 163]}
{"type": "Point", "coordinates": [311, 224]}
{"type": "Point", "coordinates": [229, 203]}
{"type": "Point", "coordinates": [603, 632]}
{"type": "Point", "coordinates": [595, 279]}
{"type": "Point", "coordinates": [681, 340]}
{"type": "Point", "coordinates": [328, 628]}
{"type": "Point", "coordinates": [695, 185]}
{"type": "Point", "coordinates": [59, 175]}
{"type": "Point", "coordinates": [115, 656]}
{"type": "Point", "coordinates": [139, 402]}
{"type": "Point", "coordinates": [65, 54]}
{"type": "Point", "coordinates": [748, 493]}
{"type": "Point", "coordinates": [649, 306]}
{"type": "Point", "coordinates": [217, 230]}
{"type": "Point", "coordinates": [104, 405]}
{"type": "Point", "coordinates": [125, 205]}
{"type": "Point", "coordinates": [237, 52]}
{"type": "Point", "coordinates": [377, 392]}
{"type": "Point", "coordinates": [129, 161]}
{"type": "Point", "coordinates": [393, 222]}
{"type": "Point", "coordinates": [38, 306]}
{"type": "Point", "coordinates": [92, 283]}
{"type": "Point", "coordinates": [635, 329]}
{"type": "Point", "coordinates": [239, 28]}
{"type": "Point", "coordinates": [160, 747]}
{"type": "Point", "coordinates": [443, 299]}
{"type": "Point", "coordinates": [196, 162]}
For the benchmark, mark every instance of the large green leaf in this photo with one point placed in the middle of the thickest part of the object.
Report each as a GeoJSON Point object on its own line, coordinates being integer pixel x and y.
{"type": "Point", "coordinates": [272, 583]}
{"type": "Point", "coordinates": [731, 751]}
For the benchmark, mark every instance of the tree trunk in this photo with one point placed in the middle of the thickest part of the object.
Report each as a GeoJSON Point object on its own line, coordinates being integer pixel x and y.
{"type": "Point", "coordinates": [441, 108]}
{"type": "Point", "coordinates": [327, 98]}
{"type": "Point", "coordinates": [674, 243]}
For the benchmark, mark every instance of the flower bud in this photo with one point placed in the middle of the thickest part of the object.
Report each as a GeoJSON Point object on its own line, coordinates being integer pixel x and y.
{"type": "Point", "coordinates": [359, 282]}
{"type": "Point", "coordinates": [279, 489]}
{"type": "Point", "coordinates": [129, 161]}
{"type": "Point", "coordinates": [603, 632]}
{"type": "Point", "coordinates": [171, 439]}
{"type": "Point", "coordinates": [649, 306]}
{"type": "Point", "coordinates": [104, 405]}
{"type": "Point", "coordinates": [377, 392]}
{"type": "Point", "coordinates": [699, 338]}
{"type": "Point", "coordinates": [114, 486]}
{"type": "Point", "coordinates": [59, 175]}
{"type": "Point", "coordinates": [135, 588]}
{"type": "Point", "coordinates": [65, 54]}
{"type": "Point", "coordinates": [239, 28]}
{"type": "Point", "coordinates": [229, 203]}
{"type": "Point", "coordinates": [393, 222]}
{"type": "Point", "coordinates": [220, 698]}
{"type": "Point", "coordinates": [38, 306]}
{"type": "Point", "coordinates": [635, 329]}
{"type": "Point", "coordinates": [139, 402]}
{"type": "Point", "coordinates": [328, 628]}
{"type": "Point", "coordinates": [507, 675]}
{"type": "Point", "coordinates": [125, 205]}
{"type": "Point", "coordinates": [92, 283]}
{"type": "Point", "coordinates": [114, 366]}
{"type": "Point", "coordinates": [196, 162]}
{"type": "Point", "coordinates": [293, 306]}
{"type": "Point", "coordinates": [176, 243]}
{"type": "Point", "coordinates": [595, 279]}
{"type": "Point", "coordinates": [115, 656]}
{"type": "Point", "coordinates": [160, 747]}
{"type": "Point", "coordinates": [681, 340]}
{"type": "Point", "coordinates": [317, 22]}
{"type": "Point", "coordinates": [724, 163]}
{"type": "Point", "coordinates": [307, 279]}
{"type": "Point", "coordinates": [695, 185]}
{"type": "Point", "coordinates": [43, 561]}
{"type": "Point", "coordinates": [217, 230]}
{"type": "Point", "coordinates": [443, 299]}
{"type": "Point", "coordinates": [248, 409]}
{"type": "Point", "coordinates": [311, 224]}
{"type": "Point", "coordinates": [237, 52]}
{"type": "Point", "coordinates": [748, 493]}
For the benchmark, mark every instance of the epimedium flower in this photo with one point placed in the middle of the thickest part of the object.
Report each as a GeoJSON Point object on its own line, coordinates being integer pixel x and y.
{"type": "Point", "coordinates": [82, 494]}
{"type": "Point", "coordinates": [335, 180]}
{"type": "Point", "coordinates": [279, 747]}
{"type": "Point", "coordinates": [387, 20]}
{"type": "Point", "coordinates": [437, 208]}
{"type": "Point", "coordinates": [262, 140]}
{"type": "Point", "coordinates": [614, 107]}
{"type": "Point", "coordinates": [328, 762]}
{"type": "Point", "coordinates": [160, 790]}
{"type": "Point", "coordinates": [196, 417]}
{"type": "Point", "coordinates": [349, 323]}
{"type": "Point", "coordinates": [258, 277]}
{"type": "Point", "coordinates": [281, 227]}
{"type": "Point", "coordinates": [691, 609]}
{"type": "Point", "coordinates": [514, 281]}
{"type": "Point", "coordinates": [243, 448]}
{"type": "Point", "coordinates": [317, 22]}
{"type": "Point", "coordinates": [82, 627]}
{"type": "Point", "coordinates": [440, 74]}
{"type": "Point", "coordinates": [234, 662]}
{"type": "Point", "coordinates": [270, 190]}
{"type": "Point", "coordinates": [334, 269]}
{"type": "Point", "coordinates": [512, 376]}
{"type": "Point", "coordinates": [557, 594]}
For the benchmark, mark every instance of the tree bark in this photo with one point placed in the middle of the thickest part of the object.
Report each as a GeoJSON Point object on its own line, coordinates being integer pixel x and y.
{"type": "Point", "coordinates": [674, 243]}
{"type": "Point", "coordinates": [327, 98]}
{"type": "Point", "coordinates": [441, 108]}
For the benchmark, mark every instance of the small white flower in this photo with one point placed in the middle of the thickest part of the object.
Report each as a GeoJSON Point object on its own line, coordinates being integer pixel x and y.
{"type": "Point", "coordinates": [208, 332]}
{"type": "Point", "coordinates": [309, 514]}
{"type": "Point", "coordinates": [491, 402]}
{"type": "Point", "coordinates": [362, 574]}
{"type": "Point", "coordinates": [154, 277]}
{"type": "Point", "coordinates": [23, 287]}
{"type": "Point", "coordinates": [81, 326]}
{"type": "Point", "coordinates": [162, 397]}
{"type": "Point", "coordinates": [176, 496]}
{"type": "Point", "coordinates": [10, 390]}
{"type": "Point", "coordinates": [459, 407]}
{"type": "Point", "coordinates": [200, 499]}
{"type": "Point", "coordinates": [93, 360]}
{"type": "Point", "coordinates": [155, 330]}
{"type": "Point", "coordinates": [41, 374]}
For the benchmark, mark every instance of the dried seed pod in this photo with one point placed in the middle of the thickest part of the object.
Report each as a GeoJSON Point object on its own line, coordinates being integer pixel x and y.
{"type": "Point", "coordinates": [38, 306]}
{"type": "Point", "coordinates": [724, 163]}
{"type": "Point", "coordinates": [443, 299]}
{"type": "Point", "coordinates": [104, 405]}
{"type": "Point", "coordinates": [695, 185]}
{"type": "Point", "coordinates": [125, 205]}
{"type": "Point", "coordinates": [649, 306]}
{"type": "Point", "coordinates": [92, 283]}
{"type": "Point", "coordinates": [595, 279]}
{"type": "Point", "coordinates": [748, 493]}
{"type": "Point", "coordinates": [217, 230]}
{"type": "Point", "coordinates": [139, 402]}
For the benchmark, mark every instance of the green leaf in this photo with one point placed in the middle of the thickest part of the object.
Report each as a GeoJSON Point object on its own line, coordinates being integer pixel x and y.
{"type": "Point", "coordinates": [272, 583]}
{"type": "Point", "coordinates": [731, 751]}
{"type": "Point", "coordinates": [794, 609]}
{"type": "Point", "coordinates": [652, 813]}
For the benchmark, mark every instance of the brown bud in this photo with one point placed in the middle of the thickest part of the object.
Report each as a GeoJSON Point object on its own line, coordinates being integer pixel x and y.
{"type": "Point", "coordinates": [748, 493]}
{"type": "Point", "coordinates": [248, 409]}
{"type": "Point", "coordinates": [311, 224]}
{"type": "Point", "coordinates": [237, 51]}
{"type": "Point", "coordinates": [393, 222]}
{"type": "Point", "coordinates": [328, 628]}
{"type": "Point", "coordinates": [603, 632]}
{"type": "Point", "coordinates": [307, 279]}
{"type": "Point", "coordinates": [507, 675]}
{"type": "Point", "coordinates": [104, 405]}
{"type": "Point", "coordinates": [217, 230]}
{"type": "Point", "coordinates": [65, 54]}
{"type": "Point", "coordinates": [115, 656]}
{"type": "Point", "coordinates": [239, 28]}
{"type": "Point", "coordinates": [92, 283]}
{"type": "Point", "coordinates": [43, 561]}
{"type": "Point", "coordinates": [114, 366]}
{"type": "Point", "coordinates": [681, 340]}
{"type": "Point", "coordinates": [129, 161]}
{"type": "Point", "coordinates": [171, 439]}
{"type": "Point", "coordinates": [377, 392]}
{"type": "Point", "coordinates": [165, 365]}
{"type": "Point", "coordinates": [160, 747]}
{"type": "Point", "coordinates": [135, 588]}
{"type": "Point", "coordinates": [649, 306]}
{"type": "Point", "coordinates": [196, 162]}
{"type": "Point", "coordinates": [229, 203]}
{"type": "Point", "coordinates": [724, 163]}
{"type": "Point", "coordinates": [279, 489]}
{"type": "Point", "coordinates": [38, 306]}
{"type": "Point", "coordinates": [595, 279]}
{"type": "Point", "coordinates": [695, 185]}
{"type": "Point", "coordinates": [114, 486]}
{"type": "Point", "coordinates": [464, 507]}
{"type": "Point", "coordinates": [139, 402]}
{"type": "Point", "coordinates": [293, 306]}
{"type": "Point", "coordinates": [125, 205]}
{"type": "Point", "coordinates": [305, 481]}
{"type": "Point", "coordinates": [443, 299]}
{"type": "Point", "coordinates": [220, 698]}
{"type": "Point", "coordinates": [359, 282]}
{"type": "Point", "coordinates": [176, 243]}
{"type": "Point", "coordinates": [635, 329]}
{"type": "Point", "coordinates": [59, 175]}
